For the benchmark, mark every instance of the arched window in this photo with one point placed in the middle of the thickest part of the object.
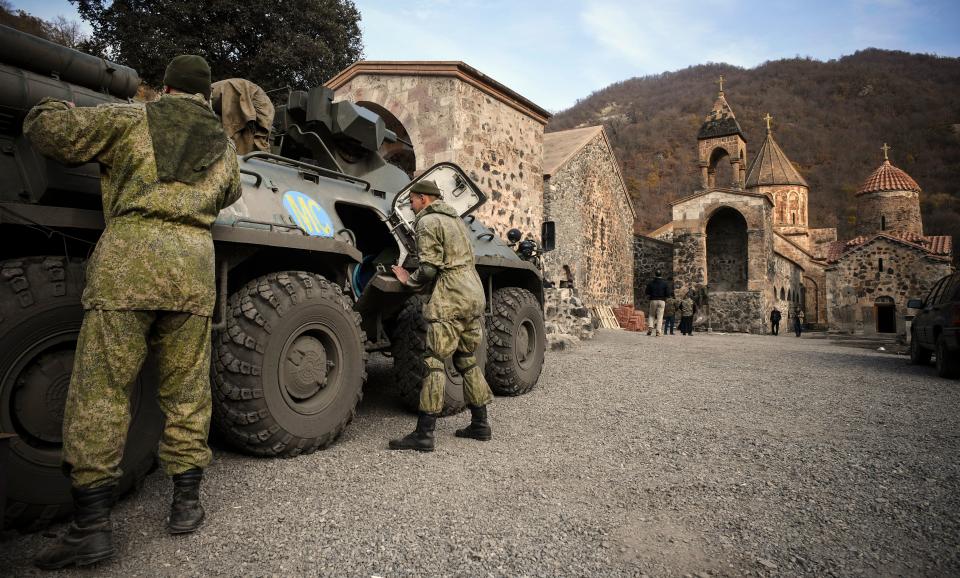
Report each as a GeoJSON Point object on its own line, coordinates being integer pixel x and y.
{"type": "Point", "coordinates": [790, 295]}
{"type": "Point", "coordinates": [782, 294]}
{"type": "Point", "coordinates": [774, 291]}
{"type": "Point", "coordinates": [880, 264]}
{"type": "Point", "coordinates": [883, 222]}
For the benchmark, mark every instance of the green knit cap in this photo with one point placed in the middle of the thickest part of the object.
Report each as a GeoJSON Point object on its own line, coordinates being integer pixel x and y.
{"type": "Point", "coordinates": [188, 73]}
{"type": "Point", "coordinates": [427, 187]}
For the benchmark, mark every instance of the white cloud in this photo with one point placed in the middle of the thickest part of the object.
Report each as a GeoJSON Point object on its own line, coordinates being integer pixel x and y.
{"type": "Point", "coordinates": [661, 36]}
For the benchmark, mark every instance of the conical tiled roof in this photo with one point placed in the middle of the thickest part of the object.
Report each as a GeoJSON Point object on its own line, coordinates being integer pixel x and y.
{"type": "Point", "coordinates": [720, 122]}
{"type": "Point", "coordinates": [888, 178]}
{"type": "Point", "coordinates": [772, 167]}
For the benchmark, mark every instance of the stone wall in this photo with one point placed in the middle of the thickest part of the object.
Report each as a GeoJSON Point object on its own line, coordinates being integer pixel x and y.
{"type": "Point", "coordinates": [812, 279]}
{"type": "Point", "coordinates": [649, 255]}
{"type": "Point", "coordinates": [856, 281]}
{"type": "Point", "coordinates": [588, 201]}
{"type": "Point", "coordinates": [889, 211]}
{"type": "Point", "coordinates": [820, 239]}
{"type": "Point", "coordinates": [738, 312]}
{"type": "Point", "coordinates": [566, 320]}
{"type": "Point", "coordinates": [785, 294]}
{"type": "Point", "coordinates": [691, 217]}
{"type": "Point", "coordinates": [447, 119]}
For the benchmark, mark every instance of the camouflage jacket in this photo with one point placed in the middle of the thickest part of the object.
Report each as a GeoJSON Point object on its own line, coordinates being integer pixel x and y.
{"type": "Point", "coordinates": [156, 252]}
{"type": "Point", "coordinates": [443, 241]}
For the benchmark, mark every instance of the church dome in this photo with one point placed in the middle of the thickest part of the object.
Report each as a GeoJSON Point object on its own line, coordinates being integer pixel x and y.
{"type": "Point", "coordinates": [772, 167]}
{"type": "Point", "coordinates": [888, 178]}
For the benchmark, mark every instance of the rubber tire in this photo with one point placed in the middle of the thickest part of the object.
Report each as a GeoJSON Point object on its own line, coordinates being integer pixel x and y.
{"type": "Point", "coordinates": [408, 342]}
{"type": "Point", "coordinates": [512, 306]}
{"type": "Point", "coordinates": [253, 410]}
{"type": "Point", "coordinates": [947, 365]}
{"type": "Point", "coordinates": [40, 301]}
{"type": "Point", "coordinates": [918, 354]}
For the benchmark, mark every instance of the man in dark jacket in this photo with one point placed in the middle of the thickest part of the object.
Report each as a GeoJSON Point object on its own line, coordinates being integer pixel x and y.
{"type": "Point", "coordinates": [775, 317]}
{"type": "Point", "coordinates": [657, 291]}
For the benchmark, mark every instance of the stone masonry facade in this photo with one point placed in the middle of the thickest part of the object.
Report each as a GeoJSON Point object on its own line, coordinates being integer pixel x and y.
{"type": "Point", "coordinates": [587, 199]}
{"type": "Point", "coordinates": [880, 271]}
{"type": "Point", "coordinates": [889, 211]}
{"type": "Point", "coordinates": [649, 256]}
{"type": "Point", "coordinates": [453, 113]}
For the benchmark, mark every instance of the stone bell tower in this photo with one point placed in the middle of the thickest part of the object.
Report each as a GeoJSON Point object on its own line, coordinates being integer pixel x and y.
{"type": "Point", "coordinates": [721, 140]}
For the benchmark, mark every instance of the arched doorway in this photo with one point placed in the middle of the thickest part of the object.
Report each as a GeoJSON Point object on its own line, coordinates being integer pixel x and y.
{"type": "Point", "coordinates": [885, 312]}
{"type": "Point", "coordinates": [727, 251]}
{"type": "Point", "coordinates": [401, 153]}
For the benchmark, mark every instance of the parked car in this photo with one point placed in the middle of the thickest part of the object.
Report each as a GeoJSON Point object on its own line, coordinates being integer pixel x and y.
{"type": "Point", "coordinates": [936, 328]}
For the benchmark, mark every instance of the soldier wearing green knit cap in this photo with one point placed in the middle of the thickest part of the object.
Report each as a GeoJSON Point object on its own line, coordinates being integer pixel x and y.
{"type": "Point", "coordinates": [454, 316]}
{"type": "Point", "coordinates": [167, 169]}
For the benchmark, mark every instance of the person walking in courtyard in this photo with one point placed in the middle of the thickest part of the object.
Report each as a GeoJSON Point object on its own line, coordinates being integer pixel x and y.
{"type": "Point", "coordinates": [657, 291]}
{"type": "Point", "coordinates": [167, 169]}
{"type": "Point", "coordinates": [669, 314]}
{"type": "Point", "coordinates": [798, 321]}
{"type": "Point", "coordinates": [775, 317]}
{"type": "Point", "coordinates": [686, 315]}
{"type": "Point", "coordinates": [447, 271]}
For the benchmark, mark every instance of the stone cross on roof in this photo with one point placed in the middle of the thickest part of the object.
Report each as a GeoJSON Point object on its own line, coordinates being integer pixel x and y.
{"type": "Point", "coordinates": [720, 82]}
{"type": "Point", "coordinates": [768, 118]}
{"type": "Point", "coordinates": [886, 149]}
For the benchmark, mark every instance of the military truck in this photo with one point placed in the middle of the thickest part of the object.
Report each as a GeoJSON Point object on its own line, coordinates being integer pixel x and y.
{"type": "Point", "coordinates": [302, 261]}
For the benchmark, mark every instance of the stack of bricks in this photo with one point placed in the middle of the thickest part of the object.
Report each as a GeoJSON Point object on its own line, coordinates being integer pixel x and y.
{"type": "Point", "coordinates": [630, 319]}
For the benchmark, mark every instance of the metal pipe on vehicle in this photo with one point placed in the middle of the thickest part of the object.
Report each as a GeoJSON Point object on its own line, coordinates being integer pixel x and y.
{"type": "Point", "coordinates": [53, 60]}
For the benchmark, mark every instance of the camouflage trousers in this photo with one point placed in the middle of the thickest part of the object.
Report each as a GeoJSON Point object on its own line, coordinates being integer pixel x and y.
{"type": "Point", "coordinates": [459, 338]}
{"type": "Point", "coordinates": [111, 350]}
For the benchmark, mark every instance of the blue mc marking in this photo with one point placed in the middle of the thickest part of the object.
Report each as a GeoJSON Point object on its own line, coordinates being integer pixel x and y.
{"type": "Point", "coordinates": [308, 214]}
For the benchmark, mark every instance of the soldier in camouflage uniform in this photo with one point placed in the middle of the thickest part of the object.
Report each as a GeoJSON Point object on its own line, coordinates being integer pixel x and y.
{"type": "Point", "coordinates": [453, 313]}
{"type": "Point", "coordinates": [167, 169]}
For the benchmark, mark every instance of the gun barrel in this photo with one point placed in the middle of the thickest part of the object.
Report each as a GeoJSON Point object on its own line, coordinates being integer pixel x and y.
{"type": "Point", "coordinates": [46, 58]}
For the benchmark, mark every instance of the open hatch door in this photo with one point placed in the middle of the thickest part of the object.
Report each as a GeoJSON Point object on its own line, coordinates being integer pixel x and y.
{"type": "Point", "coordinates": [459, 192]}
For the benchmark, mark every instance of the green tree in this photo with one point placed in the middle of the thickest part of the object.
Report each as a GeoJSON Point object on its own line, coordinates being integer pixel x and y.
{"type": "Point", "coordinates": [274, 43]}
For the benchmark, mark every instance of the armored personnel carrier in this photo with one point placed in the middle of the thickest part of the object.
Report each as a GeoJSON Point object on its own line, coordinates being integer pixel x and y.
{"type": "Point", "coordinates": [304, 293]}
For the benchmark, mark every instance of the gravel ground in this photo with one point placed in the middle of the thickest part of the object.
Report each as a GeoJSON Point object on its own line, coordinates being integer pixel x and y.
{"type": "Point", "coordinates": [704, 455]}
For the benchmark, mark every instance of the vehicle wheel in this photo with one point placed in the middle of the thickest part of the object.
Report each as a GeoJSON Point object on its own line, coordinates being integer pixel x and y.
{"type": "Point", "coordinates": [408, 341]}
{"type": "Point", "coordinates": [947, 365]}
{"type": "Point", "coordinates": [516, 340]}
{"type": "Point", "coordinates": [40, 317]}
{"type": "Point", "coordinates": [918, 354]}
{"type": "Point", "coordinates": [289, 368]}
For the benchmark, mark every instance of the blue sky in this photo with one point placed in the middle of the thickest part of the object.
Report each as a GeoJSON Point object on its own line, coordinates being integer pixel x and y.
{"type": "Point", "coordinates": [554, 52]}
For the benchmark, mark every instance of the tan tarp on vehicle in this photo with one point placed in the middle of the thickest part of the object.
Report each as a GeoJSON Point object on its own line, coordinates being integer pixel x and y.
{"type": "Point", "coordinates": [246, 112]}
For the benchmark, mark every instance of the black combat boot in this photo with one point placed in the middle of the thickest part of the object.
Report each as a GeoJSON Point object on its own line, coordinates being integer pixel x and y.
{"type": "Point", "coordinates": [89, 538]}
{"type": "Point", "coordinates": [421, 439]}
{"type": "Point", "coordinates": [479, 428]}
{"type": "Point", "coordinates": [186, 513]}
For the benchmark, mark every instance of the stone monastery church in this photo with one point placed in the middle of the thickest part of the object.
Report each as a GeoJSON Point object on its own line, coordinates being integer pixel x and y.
{"type": "Point", "coordinates": [743, 239]}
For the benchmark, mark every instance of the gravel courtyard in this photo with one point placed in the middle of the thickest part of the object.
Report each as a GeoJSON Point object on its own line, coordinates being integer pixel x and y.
{"type": "Point", "coordinates": [705, 455]}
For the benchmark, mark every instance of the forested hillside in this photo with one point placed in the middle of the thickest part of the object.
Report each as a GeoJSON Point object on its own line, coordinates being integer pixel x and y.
{"type": "Point", "coordinates": [831, 118]}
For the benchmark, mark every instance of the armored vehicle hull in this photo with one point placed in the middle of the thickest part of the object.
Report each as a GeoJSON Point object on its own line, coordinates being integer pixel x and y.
{"type": "Point", "coordinates": [303, 293]}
